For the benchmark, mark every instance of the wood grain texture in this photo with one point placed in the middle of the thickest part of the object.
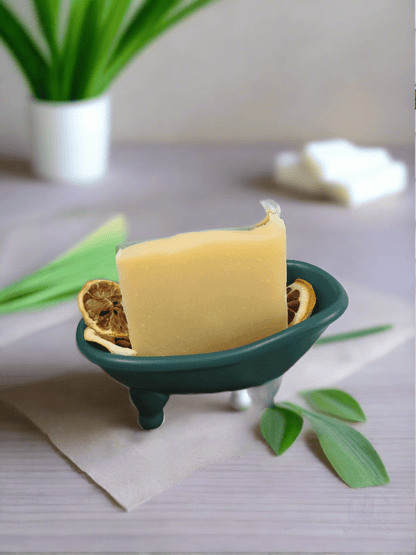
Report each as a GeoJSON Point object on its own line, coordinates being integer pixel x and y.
{"type": "Point", "coordinates": [257, 503]}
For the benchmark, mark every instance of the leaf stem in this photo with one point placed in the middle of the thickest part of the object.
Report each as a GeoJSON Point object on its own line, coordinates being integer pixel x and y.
{"type": "Point", "coordinates": [353, 334]}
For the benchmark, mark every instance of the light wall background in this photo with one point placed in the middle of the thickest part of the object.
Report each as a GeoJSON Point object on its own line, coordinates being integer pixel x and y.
{"type": "Point", "coordinates": [256, 71]}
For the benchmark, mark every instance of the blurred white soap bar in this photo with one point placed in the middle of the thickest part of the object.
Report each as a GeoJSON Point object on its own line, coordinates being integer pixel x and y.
{"type": "Point", "coordinates": [331, 160]}
{"type": "Point", "coordinates": [337, 168]}
{"type": "Point", "coordinates": [291, 170]}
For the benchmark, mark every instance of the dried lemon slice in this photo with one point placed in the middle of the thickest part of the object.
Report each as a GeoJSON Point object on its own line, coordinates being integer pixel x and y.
{"type": "Point", "coordinates": [101, 307]}
{"type": "Point", "coordinates": [113, 345]}
{"type": "Point", "coordinates": [301, 300]}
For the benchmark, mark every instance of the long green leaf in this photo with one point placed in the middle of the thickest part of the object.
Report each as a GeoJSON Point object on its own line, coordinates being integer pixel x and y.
{"type": "Point", "coordinates": [83, 263]}
{"type": "Point", "coordinates": [107, 7]}
{"type": "Point", "coordinates": [150, 13]}
{"type": "Point", "coordinates": [64, 289]}
{"type": "Point", "coordinates": [105, 268]}
{"type": "Point", "coordinates": [71, 46]}
{"type": "Point", "coordinates": [349, 452]}
{"type": "Point", "coordinates": [88, 48]}
{"type": "Point", "coordinates": [25, 51]}
{"type": "Point", "coordinates": [47, 12]}
{"type": "Point", "coordinates": [114, 228]}
{"type": "Point", "coordinates": [91, 248]}
{"type": "Point", "coordinates": [280, 427]}
{"type": "Point", "coordinates": [113, 16]}
{"type": "Point", "coordinates": [335, 402]}
{"type": "Point", "coordinates": [135, 40]}
{"type": "Point", "coordinates": [356, 334]}
{"type": "Point", "coordinates": [92, 258]}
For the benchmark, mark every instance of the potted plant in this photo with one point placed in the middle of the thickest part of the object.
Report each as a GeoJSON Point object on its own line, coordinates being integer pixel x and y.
{"type": "Point", "coordinates": [69, 103]}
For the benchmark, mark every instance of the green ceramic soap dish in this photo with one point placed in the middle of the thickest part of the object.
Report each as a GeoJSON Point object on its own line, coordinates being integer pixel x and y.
{"type": "Point", "coordinates": [153, 379]}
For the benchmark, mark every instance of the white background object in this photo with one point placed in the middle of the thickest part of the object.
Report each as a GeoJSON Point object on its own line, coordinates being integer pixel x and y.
{"type": "Point", "coordinates": [331, 160]}
{"type": "Point", "coordinates": [70, 140]}
{"type": "Point", "coordinates": [345, 172]}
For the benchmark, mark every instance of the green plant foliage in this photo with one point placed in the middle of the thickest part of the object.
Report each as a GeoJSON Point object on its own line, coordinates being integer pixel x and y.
{"type": "Point", "coordinates": [47, 12]}
{"type": "Point", "coordinates": [335, 402]}
{"type": "Point", "coordinates": [280, 427]}
{"type": "Point", "coordinates": [62, 279]}
{"type": "Point", "coordinates": [349, 452]}
{"type": "Point", "coordinates": [113, 17]}
{"type": "Point", "coordinates": [72, 51]}
{"type": "Point", "coordinates": [25, 51]}
{"type": "Point", "coordinates": [100, 40]}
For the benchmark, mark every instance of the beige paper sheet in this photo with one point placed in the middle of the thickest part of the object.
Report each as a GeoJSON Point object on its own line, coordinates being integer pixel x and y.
{"type": "Point", "coordinates": [92, 421]}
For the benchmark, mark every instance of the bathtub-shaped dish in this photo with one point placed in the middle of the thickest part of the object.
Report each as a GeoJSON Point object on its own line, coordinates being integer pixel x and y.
{"type": "Point", "coordinates": [152, 379]}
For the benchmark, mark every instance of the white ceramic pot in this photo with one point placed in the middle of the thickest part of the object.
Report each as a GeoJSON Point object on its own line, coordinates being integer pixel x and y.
{"type": "Point", "coordinates": [71, 140]}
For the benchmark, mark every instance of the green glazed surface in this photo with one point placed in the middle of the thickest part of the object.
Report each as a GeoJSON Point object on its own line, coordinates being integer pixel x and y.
{"type": "Point", "coordinates": [248, 366]}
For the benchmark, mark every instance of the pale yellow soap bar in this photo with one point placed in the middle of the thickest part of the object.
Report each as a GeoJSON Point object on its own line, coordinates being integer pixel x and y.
{"type": "Point", "coordinates": [205, 291]}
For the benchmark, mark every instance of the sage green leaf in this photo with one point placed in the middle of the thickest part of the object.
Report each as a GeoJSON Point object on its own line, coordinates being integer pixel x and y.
{"type": "Point", "coordinates": [349, 452]}
{"type": "Point", "coordinates": [25, 51]}
{"type": "Point", "coordinates": [335, 402]}
{"type": "Point", "coordinates": [280, 427]}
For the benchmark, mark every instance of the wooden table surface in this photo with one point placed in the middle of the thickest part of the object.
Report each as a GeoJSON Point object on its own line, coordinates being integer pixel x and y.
{"type": "Point", "coordinates": [256, 503]}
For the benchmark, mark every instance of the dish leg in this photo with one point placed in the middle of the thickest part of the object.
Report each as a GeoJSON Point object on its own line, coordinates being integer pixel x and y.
{"type": "Point", "coordinates": [150, 406]}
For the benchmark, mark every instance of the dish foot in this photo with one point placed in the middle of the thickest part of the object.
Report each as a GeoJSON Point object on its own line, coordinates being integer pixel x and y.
{"type": "Point", "coordinates": [240, 400]}
{"type": "Point", "coordinates": [150, 406]}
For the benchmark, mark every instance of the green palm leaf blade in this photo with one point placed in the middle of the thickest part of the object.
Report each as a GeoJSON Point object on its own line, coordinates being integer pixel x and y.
{"type": "Point", "coordinates": [88, 47]}
{"type": "Point", "coordinates": [351, 454]}
{"type": "Point", "coordinates": [71, 46]}
{"type": "Point", "coordinates": [25, 51]}
{"type": "Point", "coordinates": [335, 402]}
{"type": "Point", "coordinates": [47, 12]}
{"type": "Point", "coordinates": [96, 45]}
{"type": "Point", "coordinates": [133, 42]}
{"type": "Point", "coordinates": [114, 229]}
{"type": "Point", "coordinates": [85, 253]}
{"type": "Point", "coordinates": [93, 258]}
{"type": "Point", "coordinates": [280, 427]}
{"type": "Point", "coordinates": [64, 272]}
{"type": "Point", "coordinates": [108, 6]}
{"type": "Point", "coordinates": [150, 13]}
{"type": "Point", "coordinates": [113, 15]}
{"type": "Point", "coordinates": [66, 288]}
{"type": "Point", "coordinates": [355, 334]}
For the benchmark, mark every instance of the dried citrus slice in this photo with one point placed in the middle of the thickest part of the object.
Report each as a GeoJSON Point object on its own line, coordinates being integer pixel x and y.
{"type": "Point", "coordinates": [115, 345]}
{"type": "Point", "coordinates": [101, 307]}
{"type": "Point", "coordinates": [301, 299]}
